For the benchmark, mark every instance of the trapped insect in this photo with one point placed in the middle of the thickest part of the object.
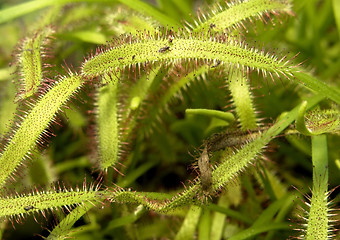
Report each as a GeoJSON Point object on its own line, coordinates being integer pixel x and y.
{"type": "Point", "coordinates": [205, 171]}
{"type": "Point", "coordinates": [218, 62]}
{"type": "Point", "coordinates": [27, 208]}
{"type": "Point", "coordinates": [164, 49]}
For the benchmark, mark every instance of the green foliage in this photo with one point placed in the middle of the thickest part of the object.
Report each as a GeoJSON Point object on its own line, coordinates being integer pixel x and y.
{"type": "Point", "coordinates": [34, 123]}
{"type": "Point", "coordinates": [318, 223]}
{"type": "Point", "coordinates": [126, 115]}
{"type": "Point", "coordinates": [108, 134]}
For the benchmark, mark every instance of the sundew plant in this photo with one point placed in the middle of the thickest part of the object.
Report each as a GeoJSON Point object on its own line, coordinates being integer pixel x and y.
{"type": "Point", "coordinates": [169, 119]}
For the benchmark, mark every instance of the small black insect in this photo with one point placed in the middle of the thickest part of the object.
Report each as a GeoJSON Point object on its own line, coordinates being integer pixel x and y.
{"type": "Point", "coordinates": [212, 25]}
{"type": "Point", "coordinates": [120, 58]}
{"type": "Point", "coordinates": [164, 49]}
{"type": "Point", "coordinates": [133, 57]}
{"type": "Point", "coordinates": [27, 208]}
{"type": "Point", "coordinates": [218, 62]}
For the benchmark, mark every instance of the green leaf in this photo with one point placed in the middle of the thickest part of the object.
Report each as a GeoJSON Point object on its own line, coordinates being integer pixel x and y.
{"type": "Point", "coordinates": [34, 124]}
{"type": "Point", "coordinates": [50, 200]}
{"type": "Point", "coordinates": [233, 14]}
{"type": "Point", "coordinates": [31, 61]}
{"type": "Point", "coordinates": [122, 221]}
{"type": "Point", "coordinates": [204, 225]}
{"type": "Point", "coordinates": [253, 231]}
{"type": "Point", "coordinates": [189, 224]}
{"type": "Point", "coordinates": [316, 85]}
{"type": "Point", "coordinates": [242, 99]}
{"type": "Point", "coordinates": [86, 36]}
{"type": "Point", "coordinates": [218, 221]}
{"type": "Point", "coordinates": [108, 126]}
{"type": "Point", "coordinates": [146, 48]}
{"type": "Point", "coordinates": [318, 222]}
{"type": "Point", "coordinates": [336, 10]}
{"type": "Point", "coordinates": [22, 9]}
{"type": "Point", "coordinates": [226, 116]}
{"type": "Point", "coordinates": [63, 229]}
{"type": "Point", "coordinates": [318, 121]}
{"type": "Point", "coordinates": [147, 9]}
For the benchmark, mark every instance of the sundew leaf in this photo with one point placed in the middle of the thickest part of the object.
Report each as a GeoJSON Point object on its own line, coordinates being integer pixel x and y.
{"type": "Point", "coordinates": [63, 229]}
{"type": "Point", "coordinates": [34, 123]}
{"type": "Point", "coordinates": [318, 222]}
{"type": "Point", "coordinates": [108, 126]}
{"type": "Point", "coordinates": [31, 61]}
{"type": "Point", "coordinates": [226, 15]}
{"type": "Point", "coordinates": [242, 99]}
{"type": "Point", "coordinates": [317, 122]}
{"type": "Point", "coordinates": [323, 121]}
{"type": "Point", "coordinates": [149, 49]}
{"type": "Point", "coordinates": [33, 51]}
{"type": "Point", "coordinates": [173, 47]}
{"type": "Point", "coordinates": [221, 175]}
{"type": "Point", "coordinates": [236, 163]}
{"type": "Point", "coordinates": [40, 202]}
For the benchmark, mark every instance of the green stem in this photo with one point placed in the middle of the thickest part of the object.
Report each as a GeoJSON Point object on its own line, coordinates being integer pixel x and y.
{"type": "Point", "coordinates": [189, 225]}
{"type": "Point", "coordinates": [316, 85]}
{"type": "Point", "coordinates": [317, 227]}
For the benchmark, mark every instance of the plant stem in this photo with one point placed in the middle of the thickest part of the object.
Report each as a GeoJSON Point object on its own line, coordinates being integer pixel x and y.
{"type": "Point", "coordinates": [317, 227]}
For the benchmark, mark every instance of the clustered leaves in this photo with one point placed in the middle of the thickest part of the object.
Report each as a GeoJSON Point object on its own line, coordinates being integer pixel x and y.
{"type": "Point", "coordinates": [137, 76]}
